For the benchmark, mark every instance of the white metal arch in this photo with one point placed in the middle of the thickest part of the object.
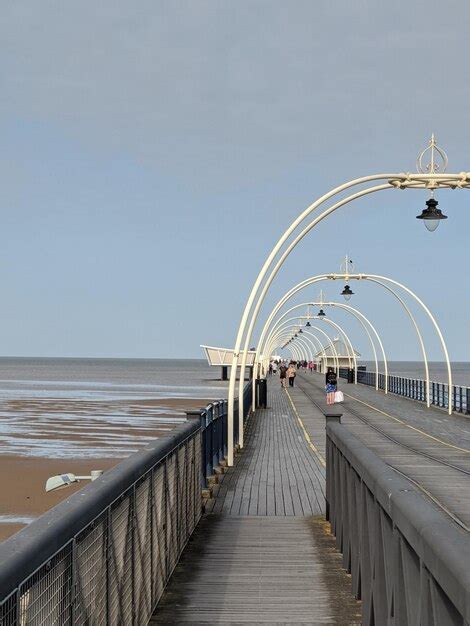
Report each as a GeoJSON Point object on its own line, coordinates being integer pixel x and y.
{"type": "Point", "coordinates": [346, 339]}
{"type": "Point", "coordinates": [431, 180]}
{"type": "Point", "coordinates": [363, 320]}
{"type": "Point", "coordinates": [288, 322]}
{"type": "Point", "coordinates": [289, 335]}
{"type": "Point", "coordinates": [327, 337]}
{"type": "Point", "coordinates": [381, 280]}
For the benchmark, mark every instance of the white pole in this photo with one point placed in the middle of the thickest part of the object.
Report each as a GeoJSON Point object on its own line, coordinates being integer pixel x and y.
{"type": "Point", "coordinates": [279, 263]}
{"type": "Point", "coordinates": [436, 326]}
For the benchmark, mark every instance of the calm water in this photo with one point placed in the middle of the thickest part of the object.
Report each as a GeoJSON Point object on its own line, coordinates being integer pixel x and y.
{"type": "Point", "coordinates": [108, 379]}
{"type": "Point", "coordinates": [97, 408]}
{"type": "Point", "coordinates": [437, 370]}
{"type": "Point", "coordinates": [127, 379]}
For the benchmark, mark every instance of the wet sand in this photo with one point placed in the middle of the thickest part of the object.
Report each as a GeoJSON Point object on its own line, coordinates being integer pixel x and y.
{"type": "Point", "coordinates": [89, 438]}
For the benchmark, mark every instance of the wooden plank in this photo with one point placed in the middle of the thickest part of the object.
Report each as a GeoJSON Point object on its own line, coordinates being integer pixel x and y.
{"type": "Point", "coordinates": [259, 570]}
{"type": "Point", "coordinates": [275, 563]}
{"type": "Point", "coordinates": [403, 421]}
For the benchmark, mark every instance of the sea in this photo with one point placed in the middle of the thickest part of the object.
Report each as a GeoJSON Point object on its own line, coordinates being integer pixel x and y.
{"type": "Point", "coordinates": [98, 408]}
{"type": "Point", "coordinates": [437, 370]}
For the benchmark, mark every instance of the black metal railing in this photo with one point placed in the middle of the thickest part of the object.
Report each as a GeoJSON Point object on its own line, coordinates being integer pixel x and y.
{"type": "Point", "coordinates": [213, 419]}
{"type": "Point", "coordinates": [408, 560]}
{"type": "Point", "coordinates": [105, 554]}
{"type": "Point", "coordinates": [415, 389]}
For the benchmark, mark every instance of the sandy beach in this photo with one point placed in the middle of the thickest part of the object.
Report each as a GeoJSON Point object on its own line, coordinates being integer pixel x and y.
{"type": "Point", "coordinates": [51, 436]}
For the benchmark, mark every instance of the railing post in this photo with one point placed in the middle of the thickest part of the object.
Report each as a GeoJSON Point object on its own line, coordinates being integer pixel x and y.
{"type": "Point", "coordinates": [225, 430]}
{"type": "Point", "coordinates": [133, 524]}
{"type": "Point", "coordinates": [201, 415]}
{"type": "Point", "coordinates": [108, 566]}
{"type": "Point", "coordinates": [73, 598]}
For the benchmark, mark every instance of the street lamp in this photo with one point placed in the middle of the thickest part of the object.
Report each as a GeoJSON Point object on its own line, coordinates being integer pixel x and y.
{"type": "Point", "coordinates": [430, 176]}
{"type": "Point", "coordinates": [347, 293]}
{"type": "Point", "coordinates": [321, 313]}
{"type": "Point", "coordinates": [64, 480]}
{"type": "Point", "coordinates": [431, 215]}
{"type": "Point", "coordinates": [308, 324]}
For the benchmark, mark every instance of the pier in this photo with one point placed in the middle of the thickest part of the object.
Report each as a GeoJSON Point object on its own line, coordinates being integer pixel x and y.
{"type": "Point", "coordinates": [235, 368]}
{"type": "Point", "coordinates": [358, 519]}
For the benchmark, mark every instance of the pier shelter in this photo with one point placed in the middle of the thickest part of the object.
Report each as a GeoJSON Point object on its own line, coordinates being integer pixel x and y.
{"type": "Point", "coordinates": [325, 358]}
{"type": "Point", "coordinates": [222, 357]}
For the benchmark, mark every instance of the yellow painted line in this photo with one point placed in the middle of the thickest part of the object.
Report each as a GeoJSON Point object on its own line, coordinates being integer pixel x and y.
{"type": "Point", "coordinates": [306, 435]}
{"type": "Point", "coordinates": [422, 432]}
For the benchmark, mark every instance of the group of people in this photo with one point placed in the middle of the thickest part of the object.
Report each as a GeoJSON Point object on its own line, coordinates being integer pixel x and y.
{"type": "Point", "coordinates": [288, 372]}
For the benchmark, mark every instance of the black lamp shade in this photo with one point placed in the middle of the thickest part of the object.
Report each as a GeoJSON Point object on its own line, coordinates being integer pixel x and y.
{"type": "Point", "coordinates": [347, 292]}
{"type": "Point", "coordinates": [431, 215]}
{"type": "Point", "coordinates": [321, 313]}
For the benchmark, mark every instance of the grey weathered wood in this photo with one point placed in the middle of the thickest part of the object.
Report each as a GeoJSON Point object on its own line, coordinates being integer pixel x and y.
{"type": "Point", "coordinates": [275, 474]}
{"type": "Point", "coordinates": [260, 554]}
{"type": "Point", "coordinates": [449, 486]}
{"type": "Point", "coordinates": [259, 569]}
{"type": "Point", "coordinates": [263, 553]}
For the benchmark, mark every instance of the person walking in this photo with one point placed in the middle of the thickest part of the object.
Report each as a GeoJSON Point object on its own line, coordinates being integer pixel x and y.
{"type": "Point", "coordinates": [331, 385]}
{"type": "Point", "coordinates": [271, 369]}
{"type": "Point", "coordinates": [291, 374]}
{"type": "Point", "coordinates": [282, 374]}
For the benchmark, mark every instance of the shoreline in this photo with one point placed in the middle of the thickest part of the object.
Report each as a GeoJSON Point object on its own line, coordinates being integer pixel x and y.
{"type": "Point", "coordinates": [23, 476]}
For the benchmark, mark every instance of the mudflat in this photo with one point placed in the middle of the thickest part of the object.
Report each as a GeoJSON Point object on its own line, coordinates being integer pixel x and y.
{"type": "Point", "coordinates": [48, 436]}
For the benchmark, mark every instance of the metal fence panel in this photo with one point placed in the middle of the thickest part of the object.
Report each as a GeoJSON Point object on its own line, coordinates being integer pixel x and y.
{"type": "Point", "coordinates": [415, 389]}
{"type": "Point", "coordinates": [120, 561]}
{"type": "Point", "coordinates": [9, 610]}
{"type": "Point", "coordinates": [104, 555]}
{"type": "Point", "coordinates": [172, 552]}
{"type": "Point", "coordinates": [408, 561]}
{"type": "Point", "coordinates": [159, 534]}
{"type": "Point", "coordinates": [45, 598]}
{"type": "Point", "coordinates": [143, 552]}
{"type": "Point", "coordinates": [90, 577]}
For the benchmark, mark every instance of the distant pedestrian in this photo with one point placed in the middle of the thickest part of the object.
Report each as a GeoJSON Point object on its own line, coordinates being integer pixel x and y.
{"type": "Point", "coordinates": [270, 369]}
{"type": "Point", "coordinates": [282, 374]}
{"type": "Point", "coordinates": [291, 374]}
{"type": "Point", "coordinates": [331, 385]}
{"type": "Point", "coordinates": [310, 366]}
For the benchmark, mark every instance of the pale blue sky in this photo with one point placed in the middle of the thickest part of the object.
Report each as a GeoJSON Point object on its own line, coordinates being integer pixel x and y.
{"type": "Point", "coordinates": [153, 152]}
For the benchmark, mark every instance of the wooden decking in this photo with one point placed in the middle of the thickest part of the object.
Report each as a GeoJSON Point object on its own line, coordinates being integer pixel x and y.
{"type": "Point", "coordinates": [272, 570]}
{"type": "Point", "coordinates": [276, 474]}
{"type": "Point", "coordinates": [425, 445]}
{"type": "Point", "coordinates": [262, 553]}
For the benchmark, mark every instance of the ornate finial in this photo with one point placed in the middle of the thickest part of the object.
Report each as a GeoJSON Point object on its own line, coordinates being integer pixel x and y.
{"type": "Point", "coordinates": [436, 154]}
{"type": "Point", "coordinates": [346, 266]}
